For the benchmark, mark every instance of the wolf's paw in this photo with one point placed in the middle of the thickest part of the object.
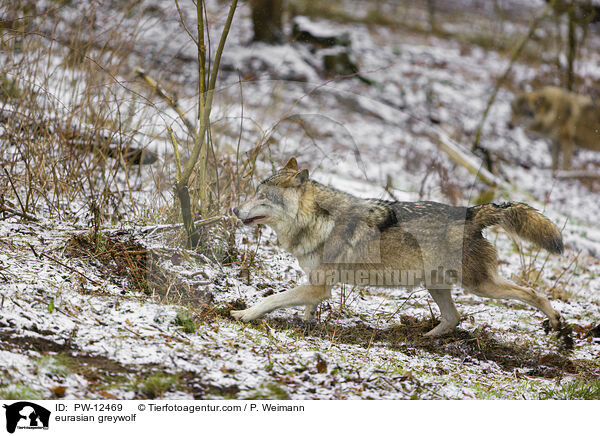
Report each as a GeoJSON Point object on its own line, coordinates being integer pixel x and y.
{"type": "Point", "coordinates": [242, 315]}
{"type": "Point", "coordinates": [555, 323]}
{"type": "Point", "coordinates": [443, 328]}
{"type": "Point", "coordinates": [558, 323]}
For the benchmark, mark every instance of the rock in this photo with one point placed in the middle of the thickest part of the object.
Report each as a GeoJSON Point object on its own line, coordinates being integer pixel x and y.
{"type": "Point", "coordinates": [338, 62]}
{"type": "Point", "coordinates": [306, 31]}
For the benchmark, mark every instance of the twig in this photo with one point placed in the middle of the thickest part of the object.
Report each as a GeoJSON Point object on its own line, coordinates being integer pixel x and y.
{"type": "Point", "coordinates": [14, 190]}
{"type": "Point", "coordinates": [176, 151]}
{"type": "Point", "coordinates": [541, 269]}
{"type": "Point", "coordinates": [388, 188]}
{"type": "Point", "coordinates": [183, 23]}
{"type": "Point", "coordinates": [167, 98]}
{"type": "Point", "coordinates": [564, 271]}
{"type": "Point", "coordinates": [574, 174]}
{"type": "Point", "coordinates": [163, 227]}
{"type": "Point", "coordinates": [237, 149]}
{"type": "Point", "coordinates": [215, 68]}
{"type": "Point", "coordinates": [70, 268]}
{"type": "Point", "coordinates": [402, 305]}
{"type": "Point", "coordinates": [204, 118]}
{"type": "Point", "coordinates": [448, 146]}
{"type": "Point", "coordinates": [130, 330]}
{"type": "Point", "coordinates": [16, 212]}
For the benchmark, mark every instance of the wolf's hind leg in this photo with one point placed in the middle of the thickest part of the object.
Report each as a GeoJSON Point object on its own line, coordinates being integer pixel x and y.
{"type": "Point", "coordinates": [304, 295]}
{"type": "Point", "coordinates": [555, 149]}
{"type": "Point", "coordinates": [309, 312]}
{"type": "Point", "coordinates": [498, 287]}
{"type": "Point", "coordinates": [449, 314]}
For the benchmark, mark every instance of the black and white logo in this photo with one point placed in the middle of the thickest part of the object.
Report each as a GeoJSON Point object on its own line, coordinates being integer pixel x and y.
{"type": "Point", "coordinates": [26, 415]}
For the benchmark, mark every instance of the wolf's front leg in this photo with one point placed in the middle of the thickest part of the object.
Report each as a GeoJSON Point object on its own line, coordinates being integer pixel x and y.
{"type": "Point", "coordinates": [309, 312]}
{"type": "Point", "coordinates": [567, 152]}
{"type": "Point", "coordinates": [304, 295]}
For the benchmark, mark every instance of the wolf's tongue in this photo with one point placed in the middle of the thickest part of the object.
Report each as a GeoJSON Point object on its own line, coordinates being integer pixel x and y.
{"type": "Point", "coordinates": [254, 218]}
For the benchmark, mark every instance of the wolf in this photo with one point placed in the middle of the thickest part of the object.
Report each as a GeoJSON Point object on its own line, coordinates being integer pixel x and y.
{"type": "Point", "coordinates": [338, 237]}
{"type": "Point", "coordinates": [566, 118]}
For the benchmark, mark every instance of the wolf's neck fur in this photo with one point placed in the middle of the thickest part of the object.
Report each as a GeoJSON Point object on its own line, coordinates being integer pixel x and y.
{"type": "Point", "coordinates": [319, 208]}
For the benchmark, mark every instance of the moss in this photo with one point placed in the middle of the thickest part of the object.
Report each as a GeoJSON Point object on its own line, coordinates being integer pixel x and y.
{"type": "Point", "coordinates": [576, 390]}
{"type": "Point", "coordinates": [268, 391]}
{"type": "Point", "coordinates": [157, 384]}
{"type": "Point", "coordinates": [20, 391]}
{"type": "Point", "coordinates": [53, 366]}
{"type": "Point", "coordinates": [185, 319]}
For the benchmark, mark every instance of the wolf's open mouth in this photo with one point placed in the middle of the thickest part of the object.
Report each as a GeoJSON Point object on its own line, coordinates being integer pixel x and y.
{"type": "Point", "coordinates": [254, 218]}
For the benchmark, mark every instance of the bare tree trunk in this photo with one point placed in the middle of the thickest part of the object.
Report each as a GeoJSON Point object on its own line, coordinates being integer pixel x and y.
{"type": "Point", "coordinates": [572, 48]}
{"type": "Point", "coordinates": [266, 20]}
{"type": "Point", "coordinates": [431, 14]}
{"type": "Point", "coordinates": [207, 79]}
{"type": "Point", "coordinates": [186, 213]}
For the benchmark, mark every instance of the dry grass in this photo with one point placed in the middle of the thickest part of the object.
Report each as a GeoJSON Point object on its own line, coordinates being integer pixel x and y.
{"type": "Point", "coordinates": [76, 122]}
{"type": "Point", "coordinates": [67, 122]}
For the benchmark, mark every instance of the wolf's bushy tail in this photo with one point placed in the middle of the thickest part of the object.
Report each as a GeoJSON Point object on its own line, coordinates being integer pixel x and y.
{"type": "Point", "coordinates": [520, 219]}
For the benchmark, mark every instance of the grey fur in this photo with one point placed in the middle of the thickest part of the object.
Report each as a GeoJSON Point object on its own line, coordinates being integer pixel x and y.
{"type": "Point", "coordinates": [338, 237]}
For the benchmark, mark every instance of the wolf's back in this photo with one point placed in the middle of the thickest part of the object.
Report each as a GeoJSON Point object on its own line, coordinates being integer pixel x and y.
{"type": "Point", "coordinates": [521, 220]}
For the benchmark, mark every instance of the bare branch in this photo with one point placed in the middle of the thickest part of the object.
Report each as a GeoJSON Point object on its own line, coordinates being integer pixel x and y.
{"type": "Point", "coordinates": [10, 210]}
{"type": "Point", "coordinates": [577, 174]}
{"type": "Point", "coordinates": [209, 96]}
{"type": "Point", "coordinates": [515, 54]}
{"type": "Point", "coordinates": [447, 145]}
{"type": "Point", "coordinates": [190, 34]}
{"type": "Point", "coordinates": [176, 151]}
{"type": "Point", "coordinates": [201, 59]}
{"type": "Point", "coordinates": [215, 68]}
{"type": "Point", "coordinates": [167, 98]}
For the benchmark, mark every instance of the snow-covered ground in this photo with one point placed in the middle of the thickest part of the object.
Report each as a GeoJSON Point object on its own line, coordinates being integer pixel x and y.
{"type": "Point", "coordinates": [67, 321]}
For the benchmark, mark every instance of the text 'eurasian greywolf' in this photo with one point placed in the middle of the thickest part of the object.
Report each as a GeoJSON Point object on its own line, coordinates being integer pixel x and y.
{"type": "Point", "coordinates": [337, 237]}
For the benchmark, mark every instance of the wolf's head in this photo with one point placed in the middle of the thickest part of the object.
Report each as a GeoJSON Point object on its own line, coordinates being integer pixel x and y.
{"type": "Point", "coordinates": [526, 107]}
{"type": "Point", "coordinates": [277, 199]}
{"type": "Point", "coordinates": [522, 113]}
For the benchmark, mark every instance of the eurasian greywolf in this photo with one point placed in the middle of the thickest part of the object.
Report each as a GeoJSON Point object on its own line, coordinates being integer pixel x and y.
{"type": "Point", "coordinates": [565, 118]}
{"type": "Point", "coordinates": [337, 237]}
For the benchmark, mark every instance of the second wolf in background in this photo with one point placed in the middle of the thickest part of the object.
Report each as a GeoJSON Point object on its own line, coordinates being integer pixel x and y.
{"type": "Point", "coordinates": [566, 118]}
{"type": "Point", "coordinates": [338, 237]}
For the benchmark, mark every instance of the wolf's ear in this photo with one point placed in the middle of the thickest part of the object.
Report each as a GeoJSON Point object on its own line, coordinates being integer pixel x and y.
{"type": "Point", "coordinates": [300, 177]}
{"type": "Point", "coordinates": [291, 164]}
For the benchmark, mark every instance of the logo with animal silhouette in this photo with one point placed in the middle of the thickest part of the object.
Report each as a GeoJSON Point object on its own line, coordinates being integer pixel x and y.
{"type": "Point", "coordinates": [26, 415]}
